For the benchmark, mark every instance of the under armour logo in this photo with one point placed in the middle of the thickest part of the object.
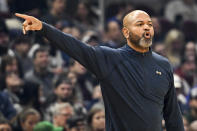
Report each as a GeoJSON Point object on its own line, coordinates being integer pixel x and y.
{"type": "Point", "coordinates": [158, 72]}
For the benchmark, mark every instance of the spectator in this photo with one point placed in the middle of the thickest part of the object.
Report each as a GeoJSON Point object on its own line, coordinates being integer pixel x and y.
{"type": "Point", "coordinates": [77, 89]}
{"type": "Point", "coordinates": [10, 64]}
{"type": "Point", "coordinates": [28, 119]}
{"type": "Point", "coordinates": [96, 119]}
{"type": "Point", "coordinates": [13, 84]}
{"type": "Point", "coordinates": [56, 12]}
{"type": "Point", "coordinates": [189, 51]}
{"type": "Point", "coordinates": [63, 92]}
{"type": "Point", "coordinates": [113, 34]}
{"type": "Point", "coordinates": [62, 112]}
{"type": "Point", "coordinates": [22, 44]}
{"type": "Point", "coordinates": [40, 73]}
{"type": "Point", "coordinates": [174, 45]}
{"type": "Point", "coordinates": [5, 125]}
{"type": "Point", "coordinates": [85, 18]}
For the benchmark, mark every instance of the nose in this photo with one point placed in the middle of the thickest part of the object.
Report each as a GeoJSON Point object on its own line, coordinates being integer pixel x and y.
{"type": "Point", "coordinates": [146, 27]}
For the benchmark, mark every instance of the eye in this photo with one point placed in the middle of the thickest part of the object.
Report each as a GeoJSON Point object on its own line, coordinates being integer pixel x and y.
{"type": "Point", "coordinates": [139, 24]}
{"type": "Point", "coordinates": [150, 24]}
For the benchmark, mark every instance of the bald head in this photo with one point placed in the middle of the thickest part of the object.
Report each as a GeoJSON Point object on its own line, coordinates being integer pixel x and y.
{"type": "Point", "coordinates": [138, 30]}
{"type": "Point", "coordinates": [132, 16]}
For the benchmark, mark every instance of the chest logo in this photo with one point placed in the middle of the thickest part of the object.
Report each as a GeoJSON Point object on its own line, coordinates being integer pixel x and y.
{"type": "Point", "coordinates": [158, 72]}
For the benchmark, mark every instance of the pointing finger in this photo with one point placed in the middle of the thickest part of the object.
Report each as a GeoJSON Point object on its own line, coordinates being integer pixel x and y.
{"type": "Point", "coordinates": [22, 16]}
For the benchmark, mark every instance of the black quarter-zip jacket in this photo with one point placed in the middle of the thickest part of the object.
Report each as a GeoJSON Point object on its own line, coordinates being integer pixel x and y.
{"type": "Point", "coordinates": [137, 88]}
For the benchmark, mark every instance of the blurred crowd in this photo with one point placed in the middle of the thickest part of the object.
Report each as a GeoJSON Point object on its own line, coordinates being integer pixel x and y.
{"type": "Point", "coordinates": [43, 89]}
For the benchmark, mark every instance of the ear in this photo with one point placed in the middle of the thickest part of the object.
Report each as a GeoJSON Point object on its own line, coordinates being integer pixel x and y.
{"type": "Point", "coordinates": [125, 32]}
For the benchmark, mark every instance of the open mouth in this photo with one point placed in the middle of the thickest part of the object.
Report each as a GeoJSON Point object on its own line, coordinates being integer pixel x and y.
{"type": "Point", "coordinates": [147, 35]}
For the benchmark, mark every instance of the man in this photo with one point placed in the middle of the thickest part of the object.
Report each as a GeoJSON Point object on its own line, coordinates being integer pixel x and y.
{"type": "Point", "coordinates": [21, 48]}
{"type": "Point", "coordinates": [113, 33]}
{"type": "Point", "coordinates": [41, 74]}
{"type": "Point", "coordinates": [61, 113]}
{"type": "Point", "coordinates": [63, 92]}
{"type": "Point", "coordinates": [129, 76]}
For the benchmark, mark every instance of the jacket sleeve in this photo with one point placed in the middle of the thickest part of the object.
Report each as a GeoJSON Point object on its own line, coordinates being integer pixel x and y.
{"type": "Point", "coordinates": [172, 113]}
{"type": "Point", "coordinates": [95, 59]}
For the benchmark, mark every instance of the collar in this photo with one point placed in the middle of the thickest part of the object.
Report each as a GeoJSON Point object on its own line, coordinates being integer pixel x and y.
{"type": "Point", "coordinates": [131, 50]}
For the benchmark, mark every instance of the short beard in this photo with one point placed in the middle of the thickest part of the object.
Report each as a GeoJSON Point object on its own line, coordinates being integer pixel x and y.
{"type": "Point", "coordinates": [140, 41]}
{"type": "Point", "coordinates": [145, 43]}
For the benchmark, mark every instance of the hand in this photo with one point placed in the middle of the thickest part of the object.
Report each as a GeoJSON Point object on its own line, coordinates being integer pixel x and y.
{"type": "Point", "coordinates": [30, 23]}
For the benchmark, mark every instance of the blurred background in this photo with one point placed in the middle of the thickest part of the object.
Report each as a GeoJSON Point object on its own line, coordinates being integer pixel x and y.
{"type": "Point", "coordinates": [43, 89]}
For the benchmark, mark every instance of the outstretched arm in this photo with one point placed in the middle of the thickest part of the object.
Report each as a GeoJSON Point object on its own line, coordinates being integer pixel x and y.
{"type": "Point", "coordinates": [92, 58]}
